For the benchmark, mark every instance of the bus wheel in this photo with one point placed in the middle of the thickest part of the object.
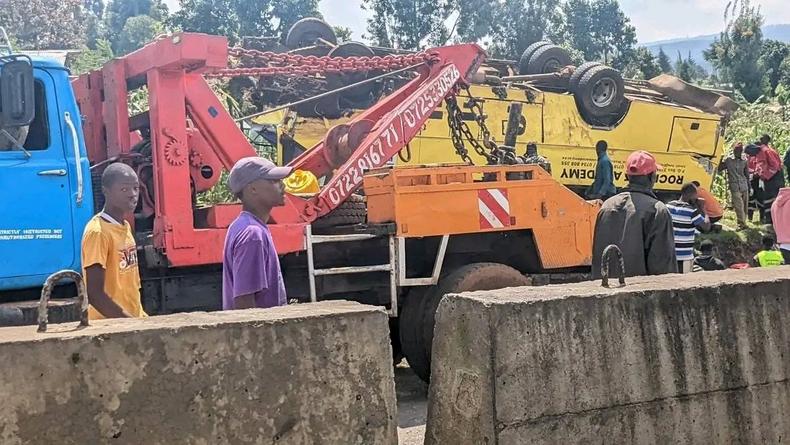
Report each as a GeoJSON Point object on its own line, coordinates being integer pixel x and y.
{"type": "Point", "coordinates": [471, 277]}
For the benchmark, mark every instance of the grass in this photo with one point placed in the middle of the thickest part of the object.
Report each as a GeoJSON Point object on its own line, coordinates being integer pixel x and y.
{"type": "Point", "coordinates": [734, 245]}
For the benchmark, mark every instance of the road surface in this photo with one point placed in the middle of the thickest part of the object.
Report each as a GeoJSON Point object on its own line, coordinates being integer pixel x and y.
{"type": "Point", "coordinates": [412, 405]}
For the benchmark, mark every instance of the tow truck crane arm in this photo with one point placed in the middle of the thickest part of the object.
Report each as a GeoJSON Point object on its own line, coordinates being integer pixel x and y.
{"type": "Point", "coordinates": [378, 134]}
{"type": "Point", "coordinates": [193, 137]}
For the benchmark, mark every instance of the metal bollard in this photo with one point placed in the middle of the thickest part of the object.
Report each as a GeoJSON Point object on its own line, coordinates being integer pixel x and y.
{"type": "Point", "coordinates": [82, 296]}
{"type": "Point", "coordinates": [605, 265]}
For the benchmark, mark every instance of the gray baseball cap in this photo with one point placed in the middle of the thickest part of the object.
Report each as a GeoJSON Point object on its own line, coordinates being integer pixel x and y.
{"type": "Point", "coordinates": [248, 170]}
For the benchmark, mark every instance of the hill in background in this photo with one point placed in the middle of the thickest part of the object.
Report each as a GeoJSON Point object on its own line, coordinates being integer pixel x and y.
{"type": "Point", "coordinates": [696, 45]}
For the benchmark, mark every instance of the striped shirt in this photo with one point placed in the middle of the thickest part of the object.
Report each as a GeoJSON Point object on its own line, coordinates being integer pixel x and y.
{"type": "Point", "coordinates": [685, 221]}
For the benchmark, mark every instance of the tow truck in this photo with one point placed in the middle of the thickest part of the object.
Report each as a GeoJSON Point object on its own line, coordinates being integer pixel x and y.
{"type": "Point", "coordinates": [430, 230]}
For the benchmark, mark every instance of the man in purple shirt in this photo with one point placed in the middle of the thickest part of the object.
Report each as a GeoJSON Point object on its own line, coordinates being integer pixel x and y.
{"type": "Point", "coordinates": [251, 275]}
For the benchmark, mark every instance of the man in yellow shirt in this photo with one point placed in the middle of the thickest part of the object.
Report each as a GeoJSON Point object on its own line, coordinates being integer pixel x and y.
{"type": "Point", "coordinates": [109, 252]}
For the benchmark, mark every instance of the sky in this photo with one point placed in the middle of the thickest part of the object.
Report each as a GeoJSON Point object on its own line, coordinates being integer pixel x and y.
{"type": "Point", "coordinates": [654, 19]}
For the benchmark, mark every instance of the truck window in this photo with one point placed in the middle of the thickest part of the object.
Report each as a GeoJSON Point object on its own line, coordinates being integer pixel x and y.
{"type": "Point", "coordinates": [38, 133]}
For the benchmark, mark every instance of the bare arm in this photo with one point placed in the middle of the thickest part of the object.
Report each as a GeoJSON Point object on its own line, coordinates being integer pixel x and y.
{"type": "Point", "coordinates": [94, 275]}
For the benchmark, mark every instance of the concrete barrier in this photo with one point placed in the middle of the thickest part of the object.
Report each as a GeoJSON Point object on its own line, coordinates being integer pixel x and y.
{"type": "Point", "coordinates": [317, 373]}
{"type": "Point", "coordinates": [667, 360]}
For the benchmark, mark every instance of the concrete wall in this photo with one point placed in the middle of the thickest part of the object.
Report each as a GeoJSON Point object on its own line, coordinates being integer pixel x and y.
{"type": "Point", "coordinates": [667, 360]}
{"type": "Point", "coordinates": [304, 374]}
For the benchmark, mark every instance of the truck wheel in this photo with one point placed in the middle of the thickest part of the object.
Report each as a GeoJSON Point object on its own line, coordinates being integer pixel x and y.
{"type": "Point", "coordinates": [350, 212]}
{"type": "Point", "coordinates": [305, 32]}
{"type": "Point", "coordinates": [548, 59]}
{"type": "Point", "coordinates": [410, 328]}
{"type": "Point", "coordinates": [359, 97]}
{"type": "Point", "coordinates": [600, 92]}
{"type": "Point", "coordinates": [573, 83]}
{"type": "Point", "coordinates": [471, 277]}
{"type": "Point", "coordinates": [523, 62]}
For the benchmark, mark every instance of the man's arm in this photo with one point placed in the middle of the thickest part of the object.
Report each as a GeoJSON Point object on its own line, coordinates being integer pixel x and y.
{"type": "Point", "coordinates": [661, 258]}
{"type": "Point", "coordinates": [94, 276]}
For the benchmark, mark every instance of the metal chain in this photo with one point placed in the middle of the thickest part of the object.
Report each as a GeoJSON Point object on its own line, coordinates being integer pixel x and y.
{"type": "Point", "coordinates": [460, 131]}
{"type": "Point", "coordinates": [299, 65]}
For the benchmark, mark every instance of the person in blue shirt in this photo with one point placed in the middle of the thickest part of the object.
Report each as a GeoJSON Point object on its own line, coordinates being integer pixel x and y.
{"type": "Point", "coordinates": [603, 187]}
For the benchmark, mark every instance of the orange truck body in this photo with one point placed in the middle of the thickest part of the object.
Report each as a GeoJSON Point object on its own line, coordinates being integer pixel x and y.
{"type": "Point", "coordinates": [440, 200]}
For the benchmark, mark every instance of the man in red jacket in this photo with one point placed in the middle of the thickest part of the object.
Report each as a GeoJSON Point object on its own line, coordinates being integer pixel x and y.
{"type": "Point", "coordinates": [766, 166]}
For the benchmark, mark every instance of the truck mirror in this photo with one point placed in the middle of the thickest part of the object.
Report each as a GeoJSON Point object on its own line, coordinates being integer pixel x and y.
{"type": "Point", "coordinates": [17, 99]}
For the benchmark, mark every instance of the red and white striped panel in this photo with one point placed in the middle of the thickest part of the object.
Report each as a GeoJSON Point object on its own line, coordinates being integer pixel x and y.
{"type": "Point", "coordinates": [494, 208]}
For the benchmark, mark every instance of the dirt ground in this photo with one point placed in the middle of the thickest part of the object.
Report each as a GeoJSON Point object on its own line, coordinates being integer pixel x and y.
{"type": "Point", "coordinates": [412, 405]}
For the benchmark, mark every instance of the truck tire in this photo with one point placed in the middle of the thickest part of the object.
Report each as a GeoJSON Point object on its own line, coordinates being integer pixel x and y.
{"type": "Point", "coordinates": [548, 59]}
{"type": "Point", "coordinates": [350, 212]}
{"type": "Point", "coordinates": [306, 31]}
{"type": "Point", "coordinates": [359, 97]}
{"type": "Point", "coordinates": [523, 62]}
{"type": "Point", "coordinates": [573, 83]}
{"type": "Point", "coordinates": [410, 328]}
{"type": "Point", "coordinates": [471, 277]}
{"type": "Point", "coordinates": [600, 93]}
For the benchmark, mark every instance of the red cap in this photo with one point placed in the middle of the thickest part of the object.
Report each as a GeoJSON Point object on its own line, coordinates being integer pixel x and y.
{"type": "Point", "coordinates": [641, 163]}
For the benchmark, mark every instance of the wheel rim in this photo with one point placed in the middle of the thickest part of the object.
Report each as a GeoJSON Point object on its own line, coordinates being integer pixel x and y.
{"type": "Point", "coordinates": [604, 92]}
{"type": "Point", "coordinates": [552, 66]}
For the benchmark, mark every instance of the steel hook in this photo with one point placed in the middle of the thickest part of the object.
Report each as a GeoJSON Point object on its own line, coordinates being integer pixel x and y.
{"type": "Point", "coordinates": [607, 253]}
{"type": "Point", "coordinates": [46, 292]}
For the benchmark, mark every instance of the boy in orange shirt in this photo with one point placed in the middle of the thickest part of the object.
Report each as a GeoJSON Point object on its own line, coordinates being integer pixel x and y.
{"type": "Point", "coordinates": [109, 252]}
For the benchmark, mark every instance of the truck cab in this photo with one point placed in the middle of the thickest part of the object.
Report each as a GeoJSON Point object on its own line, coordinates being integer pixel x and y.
{"type": "Point", "coordinates": [45, 183]}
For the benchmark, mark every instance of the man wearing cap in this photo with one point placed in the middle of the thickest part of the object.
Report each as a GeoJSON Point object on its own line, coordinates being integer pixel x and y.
{"type": "Point", "coordinates": [251, 275]}
{"type": "Point", "coordinates": [737, 169]}
{"type": "Point", "coordinates": [636, 222]}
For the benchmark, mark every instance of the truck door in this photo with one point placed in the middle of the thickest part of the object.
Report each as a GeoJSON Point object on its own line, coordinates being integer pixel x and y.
{"type": "Point", "coordinates": [36, 233]}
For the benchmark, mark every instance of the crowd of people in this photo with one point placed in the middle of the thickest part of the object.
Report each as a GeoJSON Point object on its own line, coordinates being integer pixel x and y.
{"type": "Point", "coordinates": [656, 238]}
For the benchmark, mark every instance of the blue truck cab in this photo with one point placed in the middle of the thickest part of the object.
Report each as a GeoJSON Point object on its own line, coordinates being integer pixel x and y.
{"type": "Point", "coordinates": [45, 183]}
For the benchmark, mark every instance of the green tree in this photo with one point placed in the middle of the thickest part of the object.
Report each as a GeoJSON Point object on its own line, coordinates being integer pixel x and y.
{"type": "Point", "coordinates": [475, 19]}
{"type": "Point", "coordinates": [240, 18]}
{"type": "Point", "coordinates": [119, 11]}
{"type": "Point", "coordinates": [91, 59]}
{"type": "Point", "coordinates": [44, 24]}
{"type": "Point", "coordinates": [601, 30]}
{"type": "Point", "coordinates": [406, 24]}
{"type": "Point", "coordinates": [137, 31]}
{"type": "Point", "coordinates": [94, 25]}
{"type": "Point", "coordinates": [343, 33]}
{"type": "Point", "coordinates": [520, 23]}
{"type": "Point", "coordinates": [683, 69]}
{"type": "Point", "coordinates": [643, 65]}
{"type": "Point", "coordinates": [772, 54]}
{"type": "Point", "coordinates": [577, 26]}
{"type": "Point", "coordinates": [663, 62]}
{"type": "Point", "coordinates": [736, 52]}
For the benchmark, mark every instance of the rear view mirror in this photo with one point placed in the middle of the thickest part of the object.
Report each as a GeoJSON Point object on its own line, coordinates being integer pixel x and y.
{"type": "Point", "coordinates": [17, 100]}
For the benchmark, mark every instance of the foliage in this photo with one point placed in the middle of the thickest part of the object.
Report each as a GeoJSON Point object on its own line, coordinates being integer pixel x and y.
{"type": "Point", "coordinates": [137, 31]}
{"type": "Point", "coordinates": [44, 24]}
{"type": "Point", "coordinates": [663, 62]}
{"type": "Point", "coordinates": [475, 19]}
{"type": "Point", "coordinates": [239, 18]}
{"type": "Point", "coordinates": [120, 11]}
{"type": "Point", "coordinates": [735, 53]}
{"type": "Point", "coordinates": [600, 29]}
{"type": "Point", "coordinates": [342, 33]}
{"type": "Point", "coordinates": [643, 65]}
{"type": "Point", "coordinates": [91, 59]}
{"type": "Point", "coordinates": [520, 23]}
{"type": "Point", "coordinates": [689, 70]}
{"type": "Point", "coordinates": [406, 24]}
{"type": "Point", "coordinates": [772, 54]}
{"type": "Point", "coordinates": [94, 25]}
